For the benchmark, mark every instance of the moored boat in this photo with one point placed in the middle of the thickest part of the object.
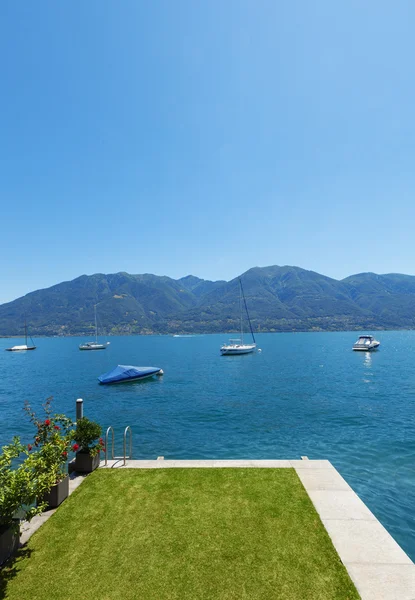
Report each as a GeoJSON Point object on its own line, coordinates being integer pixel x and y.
{"type": "Point", "coordinates": [94, 345]}
{"type": "Point", "coordinates": [23, 347]}
{"type": "Point", "coordinates": [237, 346]}
{"type": "Point", "coordinates": [19, 348]}
{"type": "Point", "coordinates": [366, 343]}
{"type": "Point", "coordinates": [126, 373]}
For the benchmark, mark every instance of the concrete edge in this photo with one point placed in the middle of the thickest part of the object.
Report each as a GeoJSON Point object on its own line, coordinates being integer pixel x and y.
{"type": "Point", "coordinates": [377, 565]}
{"type": "Point", "coordinates": [160, 463]}
{"type": "Point", "coordinates": [198, 464]}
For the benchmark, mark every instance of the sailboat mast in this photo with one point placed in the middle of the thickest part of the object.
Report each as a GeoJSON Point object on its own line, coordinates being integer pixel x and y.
{"type": "Point", "coordinates": [96, 329]}
{"type": "Point", "coordinates": [247, 313]}
{"type": "Point", "coordinates": [240, 310]}
{"type": "Point", "coordinates": [25, 332]}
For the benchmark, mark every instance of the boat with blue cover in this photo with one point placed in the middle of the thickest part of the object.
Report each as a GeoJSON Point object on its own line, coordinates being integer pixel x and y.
{"type": "Point", "coordinates": [125, 373]}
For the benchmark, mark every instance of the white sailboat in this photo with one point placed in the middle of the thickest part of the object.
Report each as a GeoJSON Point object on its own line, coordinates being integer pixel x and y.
{"type": "Point", "coordinates": [94, 345]}
{"type": "Point", "coordinates": [238, 346]}
{"type": "Point", "coordinates": [24, 346]}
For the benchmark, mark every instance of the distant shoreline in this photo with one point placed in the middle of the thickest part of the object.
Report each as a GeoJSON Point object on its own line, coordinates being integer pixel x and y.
{"type": "Point", "coordinates": [194, 334]}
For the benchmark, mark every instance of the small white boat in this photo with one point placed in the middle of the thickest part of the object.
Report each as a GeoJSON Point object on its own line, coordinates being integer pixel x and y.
{"type": "Point", "coordinates": [94, 345]}
{"type": "Point", "coordinates": [184, 335]}
{"type": "Point", "coordinates": [366, 343]}
{"type": "Point", "coordinates": [237, 346]}
{"type": "Point", "coordinates": [20, 348]}
{"type": "Point", "coordinates": [23, 347]}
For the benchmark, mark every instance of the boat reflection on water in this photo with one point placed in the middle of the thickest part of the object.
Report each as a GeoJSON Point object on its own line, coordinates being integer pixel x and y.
{"type": "Point", "coordinates": [368, 360]}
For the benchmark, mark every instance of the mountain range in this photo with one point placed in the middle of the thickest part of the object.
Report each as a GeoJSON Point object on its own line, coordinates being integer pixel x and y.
{"type": "Point", "coordinates": [278, 298]}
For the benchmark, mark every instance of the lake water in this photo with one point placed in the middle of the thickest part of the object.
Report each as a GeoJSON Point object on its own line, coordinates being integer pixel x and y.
{"type": "Point", "coordinates": [304, 394]}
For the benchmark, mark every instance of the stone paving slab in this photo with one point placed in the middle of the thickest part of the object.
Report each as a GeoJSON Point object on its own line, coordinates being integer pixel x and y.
{"type": "Point", "coordinates": [339, 504]}
{"type": "Point", "coordinates": [384, 582]}
{"type": "Point", "coordinates": [270, 464]}
{"type": "Point", "coordinates": [311, 464]}
{"type": "Point", "coordinates": [365, 542]}
{"type": "Point", "coordinates": [28, 529]}
{"type": "Point", "coordinates": [197, 464]}
{"type": "Point", "coordinates": [322, 479]}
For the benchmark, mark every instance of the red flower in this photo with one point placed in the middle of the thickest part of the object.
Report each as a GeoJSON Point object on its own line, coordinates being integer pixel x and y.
{"type": "Point", "coordinates": [56, 427]}
{"type": "Point", "coordinates": [75, 447]}
{"type": "Point", "coordinates": [102, 449]}
{"type": "Point", "coordinates": [64, 454]}
{"type": "Point", "coordinates": [47, 422]}
{"type": "Point", "coordinates": [29, 447]}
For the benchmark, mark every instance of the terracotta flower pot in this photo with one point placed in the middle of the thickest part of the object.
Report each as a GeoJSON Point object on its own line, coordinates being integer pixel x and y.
{"type": "Point", "coordinates": [9, 541]}
{"type": "Point", "coordinates": [85, 463]}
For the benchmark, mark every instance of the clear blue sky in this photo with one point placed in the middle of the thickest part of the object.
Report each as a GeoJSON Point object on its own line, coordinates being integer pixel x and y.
{"type": "Point", "coordinates": [205, 137]}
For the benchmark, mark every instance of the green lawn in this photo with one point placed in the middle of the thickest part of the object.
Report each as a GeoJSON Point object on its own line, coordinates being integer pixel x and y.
{"type": "Point", "coordinates": [182, 534]}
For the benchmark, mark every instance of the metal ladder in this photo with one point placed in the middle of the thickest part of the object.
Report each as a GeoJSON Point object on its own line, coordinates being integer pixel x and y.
{"type": "Point", "coordinates": [126, 430]}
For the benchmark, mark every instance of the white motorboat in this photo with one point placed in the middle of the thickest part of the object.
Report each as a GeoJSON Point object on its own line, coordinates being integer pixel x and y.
{"type": "Point", "coordinates": [96, 345]}
{"type": "Point", "coordinates": [366, 343]}
{"type": "Point", "coordinates": [23, 347]}
{"type": "Point", "coordinates": [237, 346]}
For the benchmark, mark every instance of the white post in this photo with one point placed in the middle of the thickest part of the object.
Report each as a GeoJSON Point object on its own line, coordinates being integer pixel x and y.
{"type": "Point", "coordinates": [79, 409]}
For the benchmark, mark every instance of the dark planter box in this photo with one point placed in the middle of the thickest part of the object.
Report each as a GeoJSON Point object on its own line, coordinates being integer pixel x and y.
{"type": "Point", "coordinates": [9, 541]}
{"type": "Point", "coordinates": [85, 463]}
{"type": "Point", "coordinates": [58, 493]}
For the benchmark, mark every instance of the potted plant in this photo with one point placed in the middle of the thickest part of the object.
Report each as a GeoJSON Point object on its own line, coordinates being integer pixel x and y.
{"type": "Point", "coordinates": [21, 483]}
{"type": "Point", "coordinates": [87, 445]}
{"type": "Point", "coordinates": [54, 434]}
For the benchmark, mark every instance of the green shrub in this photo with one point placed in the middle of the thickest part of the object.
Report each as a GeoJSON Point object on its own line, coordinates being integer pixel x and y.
{"type": "Point", "coordinates": [87, 437]}
{"type": "Point", "coordinates": [21, 484]}
{"type": "Point", "coordinates": [54, 434]}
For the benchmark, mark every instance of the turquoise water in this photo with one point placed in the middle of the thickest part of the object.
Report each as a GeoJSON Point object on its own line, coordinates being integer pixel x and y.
{"type": "Point", "coordinates": [305, 394]}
